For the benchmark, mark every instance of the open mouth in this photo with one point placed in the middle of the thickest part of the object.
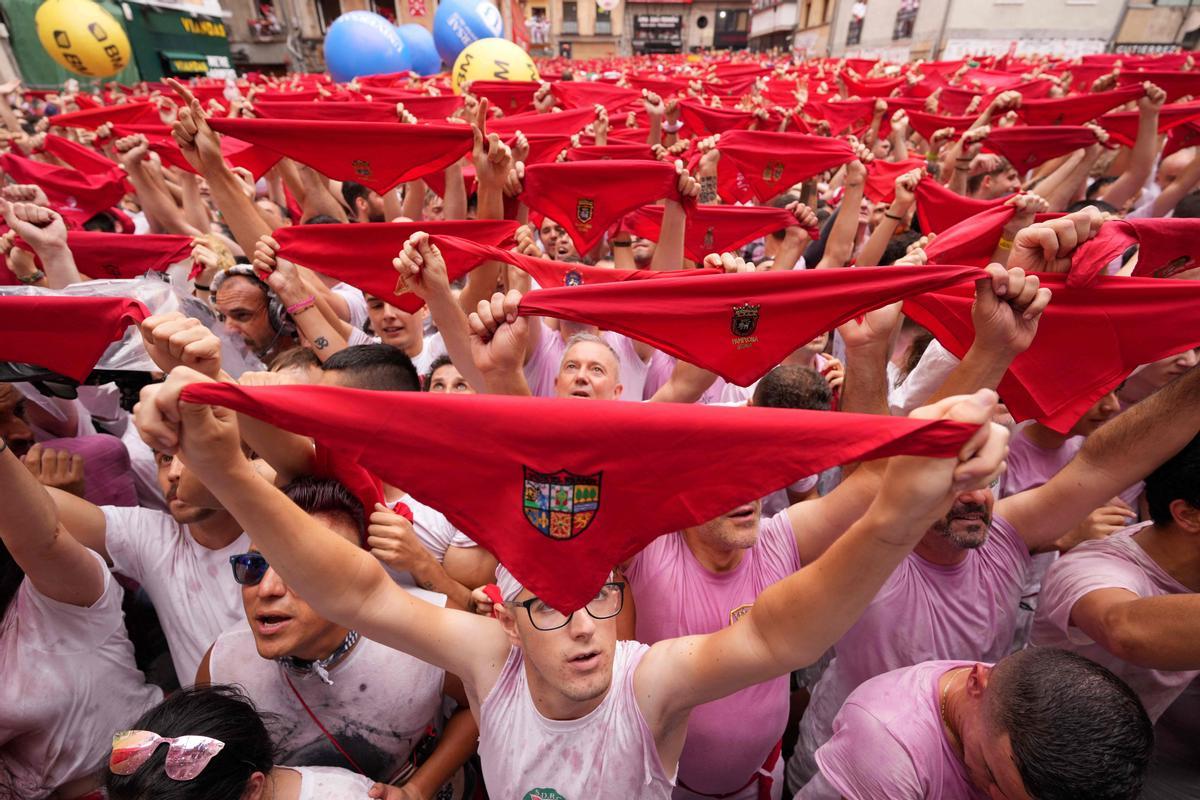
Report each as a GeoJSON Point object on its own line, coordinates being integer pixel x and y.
{"type": "Point", "coordinates": [271, 623]}
{"type": "Point", "coordinates": [585, 661]}
{"type": "Point", "coordinates": [581, 393]}
{"type": "Point", "coordinates": [393, 330]}
{"type": "Point", "coordinates": [741, 512]}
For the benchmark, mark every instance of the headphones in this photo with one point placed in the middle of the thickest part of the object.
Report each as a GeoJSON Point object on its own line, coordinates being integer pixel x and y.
{"type": "Point", "coordinates": [277, 314]}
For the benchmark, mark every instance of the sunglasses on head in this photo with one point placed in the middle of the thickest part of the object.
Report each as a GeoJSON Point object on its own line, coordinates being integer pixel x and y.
{"type": "Point", "coordinates": [187, 756]}
{"type": "Point", "coordinates": [249, 568]}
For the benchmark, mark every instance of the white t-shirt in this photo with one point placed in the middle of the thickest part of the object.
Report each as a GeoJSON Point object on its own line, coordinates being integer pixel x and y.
{"type": "Point", "coordinates": [434, 531]}
{"type": "Point", "coordinates": [433, 348]}
{"type": "Point", "coordinates": [69, 682]}
{"type": "Point", "coordinates": [192, 587]}
{"type": "Point", "coordinates": [356, 303]}
{"type": "Point", "coordinates": [331, 783]}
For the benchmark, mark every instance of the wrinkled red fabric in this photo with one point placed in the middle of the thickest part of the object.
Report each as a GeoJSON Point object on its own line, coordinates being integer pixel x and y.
{"type": "Point", "coordinates": [1175, 83]}
{"type": "Point", "coordinates": [83, 159]}
{"type": "Point", "coordinates": [772, 162]}
{"type": "Point", "coordinates": [70, 188]}
{"type": "Point", "coordinates": [93, 118]}
{"type": "Point", "coordinates": [360, 111]}
{"type": "Point", "coordinates": [871, 87]}
{"type": "Point", "coordinates": [1122, 126]}
{"type": "Point", "coordinates": [563, 501]}
{"type": "Point", "coordinates": [543, 147]}
{"type": "Point", "coordinates": [1089, 339]}
{"type": "Point", "coordinates": [237, 153]}
{"type": "Point", "coordinates": [511, 97]}
{"type": "Point", "coordinates": [702, 120]}
{"type": "Point", "coordinates": [928, 124]}
{"type": "Point", "coordinates": [715, 229]}
{"type": "Point", "coordinates": [1166, 247]}
{"type": "Point", "coordinates": [378, 155]}
{"type": "Point", "coordinates": [1027, 146]}
{"type": "Point", "coordinates": [739, 326]}
{"type": "Point", "coordinates": [587, 197]}
{"type": "Point", "coordinates": [939, 208]}
{"type": "Point", "coordinates": [585, 94]}
{"type": "Point", "coordinates": [607, 152]}
{"type": "Point", "coordinates": [435, 108]}
{"type": "Point", "coordinates": [1186, 135]}
{"type": "Point", "coordinates": [1076, 109]}
{"type": "Point", "coordinates": [974, 240]}
{"type": "Point", "coordinates": [843, 115]}
{"type": "Point", "coordinates": [361, 254]}
{"type": "Point", "coordinates": [569, 122]}
{"type": "Point", "coordinates": [880, 186]}
{"type": "Point", "coordinates": [119, 255]}
{"type": "Point", "coordinates": [65, 334]}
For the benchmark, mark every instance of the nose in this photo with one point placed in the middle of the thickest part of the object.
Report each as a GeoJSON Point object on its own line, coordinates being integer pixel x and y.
{"type": "Point", "coordinates": [975, 496]}
{"type": "Point", "coordinates": [271, 585]}
{"type": "Point", "coordinates": [232, 326]}
{"type": "Point", "coordinates": [582, 625]}
{"type": "Point", "coordinates": [1109, 403]}
{"type": "Point", "coordinates": [15, 430]}
{"type": "Point", "coordinates": [174, 470]}
{"type": "Point", "coordinates": [1188, 358]}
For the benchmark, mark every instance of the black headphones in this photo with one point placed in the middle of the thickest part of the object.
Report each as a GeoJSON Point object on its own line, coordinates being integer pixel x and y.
{"type": "Point", "coordinates": [277, 314]}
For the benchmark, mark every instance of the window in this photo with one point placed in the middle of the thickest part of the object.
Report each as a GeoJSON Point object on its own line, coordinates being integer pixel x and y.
{"type": "Point", "coordinates": [329, 11]}
{"type": "Point", "coordinates": [858, 12]}
{"type": "Point", "coordinates": [731, 21]}
{"type": "Point", "coordinates": [603, 22]}
{"type": "Point", "coordinates": [570, 21]}
{"type": "Point", "coordinates": [906, 17]}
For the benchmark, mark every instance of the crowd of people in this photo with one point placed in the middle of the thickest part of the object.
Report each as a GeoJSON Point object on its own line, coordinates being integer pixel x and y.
{"type": "Point", "coordinates": [892, 490]}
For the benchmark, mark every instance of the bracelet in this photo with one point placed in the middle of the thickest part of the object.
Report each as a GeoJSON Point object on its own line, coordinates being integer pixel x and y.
{"type": "Point", "coordinates": [672, 127]}
{"type": "Point", "coordinates": [889, 216]}
{"type": "Point", "coordinates": [1005, 244]}
{"type": "Point", "coordinates": [621, 244]}
{"type": "Point", "coordinates": [201, 287]}
{"type": "Point", "coordinates": [301, 310]}
{"type": "Point", "coordinates": [32, 278]}
{"type": "Point", "coordinates": [307, 302]}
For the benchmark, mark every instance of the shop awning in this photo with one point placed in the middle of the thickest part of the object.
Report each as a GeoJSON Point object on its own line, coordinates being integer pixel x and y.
{"type": "Point", "coordinates": [179, 62]}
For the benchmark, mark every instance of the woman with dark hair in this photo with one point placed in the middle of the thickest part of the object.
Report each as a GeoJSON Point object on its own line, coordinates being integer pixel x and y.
{"type": "Point", "coordinates": [69, 674]}
{"type": "Point", "coordinates": [211, 744]}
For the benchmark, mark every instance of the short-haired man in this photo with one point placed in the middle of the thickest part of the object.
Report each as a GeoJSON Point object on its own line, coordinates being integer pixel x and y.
{"type": "Point", "coordinates": [366, 205]}
{"type": "Point", "coordinates": [1041, 723]}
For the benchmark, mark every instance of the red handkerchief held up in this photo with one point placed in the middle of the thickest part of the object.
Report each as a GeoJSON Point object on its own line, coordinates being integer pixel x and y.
{"type": "Point", "coordinates": [1089, 339]}
{"type": "Point", "coordinates": [361, 254]}
{"type": "Point", "coordinates": [119, 255]}
{"type": "Point", "coordinates": [1166, 247]}
{"type": "Point", "coordinates": [974, 240]}
{"type": "Point", "coordinates": [379, 155]}
{"type": "Point", "coordinates": [588, 197]}
{"type": "Point", "coordinates": [939, 208]}
{"type": "Point", "coordinates": [93, 118]}
{"type": "Point", "coordinates": [1076, 109]}
{"type": "Point", "coordinates": [715, 229]}
{"type": "Point", "coordinates": [64, 334]}
{"type": "Point", "coordinates": [354, 111]}
{"type": "Point", "coordinates": [774, 162]}
{"type": "Point", "coordinates": [738, 326]}
{"type": "Point", "coordinates": [1027, 146]}
{"type": "Point", "coordinates": [81, 158]}
{"type": "Point", "coordinates": [563, 501]}
{"type": "Point", "coordinates": [70, 188]}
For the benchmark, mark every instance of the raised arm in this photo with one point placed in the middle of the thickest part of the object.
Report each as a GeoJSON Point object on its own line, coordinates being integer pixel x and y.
{"type": "Point", "coordinates": [44, 231]}
{"type": "Point", "coordinates": [58, 566]}
{"type": "Point", "coordinates": [839, 248]}
{"type": "Point", "coordinates": [493, 163]}
{"type": "Point", "coordinates": [1151, 632]}
{"type": "Point", "coordinates": [797, 619]}
{"type": "Point", "coordinates": [1145, 150]}
{"type": "Point", "coordinates": [342, 582]}
{"type": "Point", "coordinates": [668, 255]}
{"type": "Point", "coordinates": [1120, 453]}
{"type": "Point", "coordinates": [897, 213]}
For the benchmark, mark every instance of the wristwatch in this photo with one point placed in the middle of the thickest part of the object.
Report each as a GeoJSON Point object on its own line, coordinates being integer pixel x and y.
{"type": "Point", "coordinates": [32, 278]}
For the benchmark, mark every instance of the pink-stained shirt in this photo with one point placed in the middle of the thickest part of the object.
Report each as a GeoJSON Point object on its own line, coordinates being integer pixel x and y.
{"type": "Point", "coordinates": [1117, 562]}
{"type": "Point", "coordinates": [888, 742]}
{"type": "Point", "coordinates": [924, 612]}
{"type": "Point", "coordinates": [543, 365]}
{"type": "Point", "coordinates": [728, 739]}
{"type": "Point", "coordinates": [610, 752]}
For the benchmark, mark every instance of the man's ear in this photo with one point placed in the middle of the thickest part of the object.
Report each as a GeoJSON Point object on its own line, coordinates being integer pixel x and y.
{"type": "Point", "coordinates": [977, 680]}
{"type": "Point", "coordinates": [506, 614]}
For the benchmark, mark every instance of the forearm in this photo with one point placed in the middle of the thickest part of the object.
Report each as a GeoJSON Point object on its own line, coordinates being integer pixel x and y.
{"type": "Point", "coordinates": [9, 117]}
{"type": "Point", "coordinates": [393, 206]}
{"type": "Point", "coordinates": [318, 199]}
{"type": "Point", "coordinates": [1140, 163]}
{"type": "Point", "coordinates": [687, 384]}
{"type": "Point", "coordinates": [30, 516]}
{"type": "Point", "coordinates": [865, 388]}
{"type": "Point", "coordinates": [195, 213]}
{"type": "Point", "coordinates": [432, 577]}
{"type": "Point", "coordinates": [458, 742]}
{"type": "Point", "coordinates": [451, 321]}
{"type": "Point", "coordinates": [413, 205]}
{"type": "Point", "coordinates": [790, 249]}
{"type": "Point", "coordinates": [482, 281]}
{"type": "Point", "coordinates": [877, 242]}
{"type": "Point", "coordinates": [237, 210]}
{"type": "Point", "coordinates": [668, 254]}
{"type": "Point", "coordinates": [1170, 197]}
{"type": "Point", "coordinates": [289, 454]}
{"type": "Point", "coordinates": [840, 245]}
{"type": "Point", "coordinates": [160, 209]}
{"type": "Point", "coordinates": [59, 266]}
{"type": "Point", "coordinates": [510, 382]}
{"type": "Point", "coordinates": [1060, 189]}
{"type": "Point", "coordinates": [622, 249]}
{"type": "Point", "coordinates": [456, 194]}
{"type": "Point", "coordinates": [979, 369]}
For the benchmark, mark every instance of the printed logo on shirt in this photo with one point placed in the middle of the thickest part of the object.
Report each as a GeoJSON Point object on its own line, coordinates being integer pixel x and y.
{"type": "Point", "coordinates": [561, 505]}
{"type": "Point", "coordinates": [740, 612]}
{"type": "Point", "coordinates": [773, 171]}
{"type": "Point", "coordinates": [362, 167]}
{"type": "Point", "coordinates": [542, 794]}
{"type": "Point", "coordinates": [583, 210]}
{"type": "Point", "coordinates": [743, 324]}
{"type": "Point", "coordinates": [572, 278]}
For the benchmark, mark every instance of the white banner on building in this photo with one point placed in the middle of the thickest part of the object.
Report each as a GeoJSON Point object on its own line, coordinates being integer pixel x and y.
{"type": "Point", "coordinates": [205, 8]}
{"type": "Point", "coordinates": [1064, 48]}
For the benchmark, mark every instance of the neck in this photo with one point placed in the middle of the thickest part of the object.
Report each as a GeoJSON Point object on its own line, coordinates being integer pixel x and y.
{"type": "Point", "coordinates": [393, 493]}
{"type": "Point", "coordinates": [414, 349]}
{"type": "Point", "coordinates": [323, 647]}
{"type": "Point", "coordinates": [1174, 550]}
{"type": "Point", "coordinates": [712, 558]}
{"type": "Point", "coordinates": [937, 549]}
{"type": "Point", "coordinates": [555, 705]}
{"type": "Point", "coordinates": [952, 687]}
{"type": "Point", "coordinates": [1043, 437]}
{"type": "Point", "coordinates": [216, 532]}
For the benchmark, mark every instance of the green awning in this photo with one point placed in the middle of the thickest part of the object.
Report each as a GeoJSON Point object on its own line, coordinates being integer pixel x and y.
{"type": "Point", "coordinates": [183, 63]}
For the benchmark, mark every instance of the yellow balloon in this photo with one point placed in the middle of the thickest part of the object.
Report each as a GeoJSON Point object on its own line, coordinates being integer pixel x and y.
{"type": "Point", "coordinates": [492, 60]}
{"type": "Point", "coordinates": [83, 37]}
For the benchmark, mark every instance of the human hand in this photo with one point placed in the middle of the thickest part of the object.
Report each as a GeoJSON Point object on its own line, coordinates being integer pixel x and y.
{"type": "Point", "coordinates": [1153, 98]}
{"type": "Point", "coordinates": [834, 373]}
{"type": "Point", "coordinates": [519, 147]}
{"type": "Point", "coordinates": [421, 268]}
{"type": "Point", "coordinates": [172, 340]}
{"type": "Point", "coordinates": [730, 262]}
{"type": "Point", "coordinates": [1047, 246]}
{"type": "Point", "coordinates": [1008, 305]}
{"type": "Point", "coordinates": [41, 227]}
{"type": "Point", "coordinates": [200, 144]}
{"type": "Point", "coordinates": [392, 540]}
{"type": "Point", "coordinates": [1106, 520]}
{"type": "Point", "coordinates": [906, 191]}
{"type": "Point", "coordinates": [874, 329]}
{"type": "Point", "coordinates": [493, 160]}
{"type": "Point", "coordinates": [206, 436]}
{"type": "Point", "coordinates": [25, 193]}
{"type": "Point", "coordinates": [1028, 205]}
{"type": "Point", "coordinates": [498, 335]}
{"type": "Point", "coordinates": [543, 99]}
{"type": "Point", "coordinates": [59, 469]}
{"type": "Point", "coordinates": [653, 103]}
{"type": "Point", "coordinates": [688, 186]}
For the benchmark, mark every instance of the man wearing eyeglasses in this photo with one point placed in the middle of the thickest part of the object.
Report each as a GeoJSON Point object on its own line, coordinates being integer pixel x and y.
{"type": "Point", "coordinates": [570, 712]}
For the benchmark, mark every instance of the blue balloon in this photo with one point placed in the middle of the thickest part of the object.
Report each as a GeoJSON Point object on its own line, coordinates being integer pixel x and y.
{"type": "Point", "coordinates": [422, 52]}
{"type": "Point", "coordinates": [363, 43]}
{"type": "Point", "coordinates": [458, 23]}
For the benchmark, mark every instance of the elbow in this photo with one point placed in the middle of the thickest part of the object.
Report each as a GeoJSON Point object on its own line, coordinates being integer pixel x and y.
{"type": "Point", "coordinates": [1124, 638]}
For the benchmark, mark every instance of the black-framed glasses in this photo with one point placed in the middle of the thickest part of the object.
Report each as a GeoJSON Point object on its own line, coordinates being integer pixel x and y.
{"type": "Point", "coordinates": [249, 568]}
{"type": "Point", "coordinates": [606, 604]}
